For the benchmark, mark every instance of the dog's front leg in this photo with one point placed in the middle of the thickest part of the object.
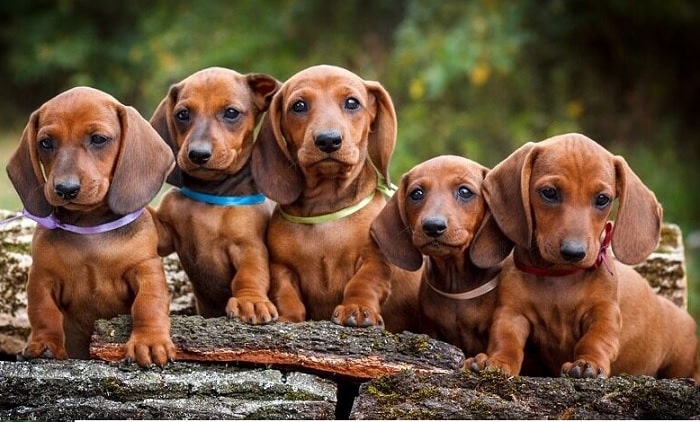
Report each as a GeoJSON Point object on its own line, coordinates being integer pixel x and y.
{"type": "Point", "coordinates": [599, 345]}
{"type": "Point", "coordinates": [507, 338]}
{"type": "Point", "coordinates": [250, 285]}
{"type": "Point", "coordinates": [47, 338]}
{"type": "Point", "coordinates": [150, 340]}
{"type": "Point", "coordinates": [285, 294]}
{"type": "Point", "coordinates": [365, 292]}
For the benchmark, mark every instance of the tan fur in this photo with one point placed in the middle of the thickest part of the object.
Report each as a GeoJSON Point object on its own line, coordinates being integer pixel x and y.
{"type": "Point", "coordinates": [76, 279]}
{"type": "Point", "coordinates": [331, 270]}
{"type": "Point", "coordinates": [222, 248]}
{"type": "Point", "coordinates": [596, 322]}
{"type": "Point", "coordinates": [428, 217]}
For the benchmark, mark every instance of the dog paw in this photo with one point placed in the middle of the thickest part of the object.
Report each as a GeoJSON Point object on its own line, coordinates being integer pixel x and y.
{"type": "Point", "coordinates": [482, 362]}
{"type": "Point", "coordinates": [43, 350]}
{"type": "Point", "coordinates": [252, 310]}
{"type": "Point", "coordinates": [357, 316]}
{"type": "Point", "coordinates": [582, 369]}
{"type": "Point", "coordinates": [148, 350]}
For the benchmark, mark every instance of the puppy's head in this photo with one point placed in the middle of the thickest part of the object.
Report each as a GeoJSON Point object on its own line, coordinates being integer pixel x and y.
{"type": "Point", "coordinates": [436, 211]}
{"type": "Point", "coordinates": [209, 118]}
{"type": "Point", "coordinates": [82, 150]}
{"type": "Point", "coordinates": [556, 195]}
{"type": "Point", "coordinates": [324, 123]}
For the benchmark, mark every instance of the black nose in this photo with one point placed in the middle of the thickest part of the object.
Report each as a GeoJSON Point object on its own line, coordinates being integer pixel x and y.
{"type": "Point", "coordinates": [67, 190]}
{"type": "Point", "coordinates": [328, 141]}
{"type": "Point", "coordinates": [572, 251]}
{"type": "Point", "coordinates": [199, 155]}
{"type": "Point", "coordinates": [434, 227]}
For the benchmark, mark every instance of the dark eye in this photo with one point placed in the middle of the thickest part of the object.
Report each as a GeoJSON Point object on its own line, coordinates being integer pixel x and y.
{"type": "Point", "coordinates": [602, 201]}
{"type": "Point", "coordinates": [352, 104]}
{"type": "Point", "coordinates": [464, 193]}
{"type": "Point", "coordinates": [231, 113]}
{"type": "Point", "coordinates": [98, 140]}
{"type": "Point", "coordinates": [46, 144]}
{"type": "Point", "coordinates": [183, 115]}
{"type": "Point", "coordinates": [549, 194]}
{"type": "Point", "coordinates": [300, 107]}
{"type": "Point", "coordinates": [417, 194]}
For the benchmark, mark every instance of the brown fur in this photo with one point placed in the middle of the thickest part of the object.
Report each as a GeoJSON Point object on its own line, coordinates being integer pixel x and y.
{"type": "Point", "coordinates": [76, 279]}
{"type": "Point", "coordinates": [221, 248]}
{"type": "Point", "coordinates": [546, 197]}
{"type": "Point", "coordinates": [330, 270]}
{"type": "Point", "coordinates": [428, 217]}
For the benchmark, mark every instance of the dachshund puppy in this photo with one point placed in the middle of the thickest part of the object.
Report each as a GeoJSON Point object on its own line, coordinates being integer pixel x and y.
{"type": "Point", "coordinates": [215, 217]}
{"type": "Point", "coordinates": [323, 155]}
{"type": "Point", "coordinates": [85, 168]}
{"type": "Point", "coordinates": [587, 314]}
{"type": "Point", "coordinates": [435, 213]}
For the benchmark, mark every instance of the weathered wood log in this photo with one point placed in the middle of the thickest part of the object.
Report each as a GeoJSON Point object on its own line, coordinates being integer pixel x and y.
{"type": "Point", "coordinates": [491, 395]}
{"type": "Point", "coordinates": [664, 269]}
{"type": "Point", "coordinates": [90, 389]}
{"type": "Point", "coordinates": [319, 347]}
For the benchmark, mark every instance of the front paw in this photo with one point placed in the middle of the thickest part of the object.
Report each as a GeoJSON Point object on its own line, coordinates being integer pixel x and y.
{"type": "Point", "coordinates": [253, 310]}
{"type": "Point", "coordinates": [148, 349]}
{"type": "Point", "coordinates": [37, 349]}
{"type": "Point", "coordinates": [482, 362]}
{"type": "Point", "coordinates": [583, 369]}
{"type": "Point", "coordinates": [357, 316]}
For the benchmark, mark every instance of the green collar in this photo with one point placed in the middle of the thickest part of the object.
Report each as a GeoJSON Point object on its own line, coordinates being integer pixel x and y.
{"type": "Point", "coordinates": [382, 187]}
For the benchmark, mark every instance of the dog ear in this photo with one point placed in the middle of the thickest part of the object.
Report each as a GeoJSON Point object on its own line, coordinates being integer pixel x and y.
{"type": "Point", "coordinates": [162, 123]}
{"type": "Point", "coordinates": [393, 237]}
{"type": "Point", "coordinates": [264, 87]}
{"type": "Point", "coordinates": [506, 189]}
{"type": "Point", "coordinates": [639, 215]}
{"type": "Point", "coordinates": [274, 172]}
{"type": "Point", "coordinates": [490, 245]}
{"type": "Point", "coordinates": [24, 171]}
{"type": "Point", "coordinates": [143, 163]}
{"type": "Point", "coordinates": [382, 134]}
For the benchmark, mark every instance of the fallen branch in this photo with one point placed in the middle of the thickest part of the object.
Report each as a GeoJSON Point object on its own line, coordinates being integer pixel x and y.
{"type": "Point", "coordinates": [319, 347]}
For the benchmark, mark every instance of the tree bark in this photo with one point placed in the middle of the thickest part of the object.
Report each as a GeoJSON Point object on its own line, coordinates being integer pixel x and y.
{"type": "Point", "coordinates": [321, 347]}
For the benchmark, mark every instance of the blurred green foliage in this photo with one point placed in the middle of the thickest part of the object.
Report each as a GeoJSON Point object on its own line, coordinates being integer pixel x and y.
{"type": "Point", "coordinates": [476, 77]}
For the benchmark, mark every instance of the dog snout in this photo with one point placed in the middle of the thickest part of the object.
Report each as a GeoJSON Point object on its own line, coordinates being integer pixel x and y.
{"type": "Point", "coordinates": [572, 251]}
{"type": "Point", "coordinates": [67, 189]}
{"type": "Point", "coordinates": [434, 227]}
{"type": "Point", "coordinates": [199, 154]}
{"type": "Point", "coordinates": [328, 142]}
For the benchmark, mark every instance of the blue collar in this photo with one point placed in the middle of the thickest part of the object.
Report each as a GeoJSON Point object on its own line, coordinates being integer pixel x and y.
{"type": "Point", "coordinates": [226, 201]}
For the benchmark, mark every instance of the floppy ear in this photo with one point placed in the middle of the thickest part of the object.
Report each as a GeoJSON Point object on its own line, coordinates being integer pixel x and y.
{"type": "Point", "coordinates": [264, 88]}
{"type": "Point", "coordinates": [24, 170]}
{"type": "Point", "coordinates": [489, 246]}
{"type": "Point", "coordinates": [506, 189]}
{"type": "Point", "coordinates": [161, 122]}
{"type": "Point", "coordinates": [274, 171]}
{"type": "Point", "coordinates": [143, 163]}
{"type": "Point", "coordinates": [393, 237]}
{"type": "Point", "coordinates": [382, 134]}
{"type": "Point", "coordinates": [638, 221]}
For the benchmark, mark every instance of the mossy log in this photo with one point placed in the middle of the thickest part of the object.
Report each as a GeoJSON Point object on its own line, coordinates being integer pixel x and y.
{"type": "Point", "coordinates": [321, 347]}
{"type": "Point", "coordinates": [89, 389]}
{"type": "Point", "coordinates": [491, 395]}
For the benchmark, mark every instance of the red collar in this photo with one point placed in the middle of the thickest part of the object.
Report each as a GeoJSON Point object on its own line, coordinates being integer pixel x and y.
{"type": "Point", "coordinates": [545, 272]}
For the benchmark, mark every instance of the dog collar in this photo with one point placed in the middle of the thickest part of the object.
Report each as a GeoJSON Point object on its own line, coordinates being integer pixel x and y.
{"type": "Point", "coordinates": [325, 218]}
{"type": "Point", "coordinates": [226, 201]}
{"type": "Point", "coordinates": [470, 294]}
{"type": "Point", "coordinates": [51, 223]}
{"type": "Point", "coordinates": [601, 260]}
{"type": "Point", "coordinates": [387, 190]}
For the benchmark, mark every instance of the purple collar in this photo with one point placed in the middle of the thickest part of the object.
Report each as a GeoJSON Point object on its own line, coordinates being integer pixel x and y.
{"type": "Point", "coordinates": [51, 222]}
